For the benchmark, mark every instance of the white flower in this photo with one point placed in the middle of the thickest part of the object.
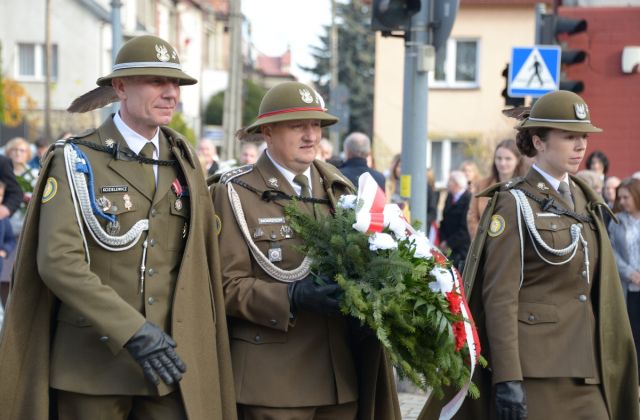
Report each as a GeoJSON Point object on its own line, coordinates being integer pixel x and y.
{"type": "Point", "coordinates": [443, 282]}
{"type": "Point", "coordinates": [347, 201]}
{"type": "Point", "coordinates": [422, 245]}
{"type": "Point", "coordinates": [382, 241]}
{"type": "Point", "coordinates": [393, 219]}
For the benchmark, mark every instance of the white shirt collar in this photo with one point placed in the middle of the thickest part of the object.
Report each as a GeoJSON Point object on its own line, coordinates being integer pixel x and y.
{"type": "Point", "coordinates": [289, 175]}
{"type": "Point", "coordinates": [555, 183]}
{"type": "Point", "coordinates": [134, 140]}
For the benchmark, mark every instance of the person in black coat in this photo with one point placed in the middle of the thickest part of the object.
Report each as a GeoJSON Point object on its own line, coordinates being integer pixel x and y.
{"type": "Point", "coordinates": [13, 193]}
{"type": "Point", "coordinates": [453, 227]}
{"type": "Point", "coordinates": [357, 148]}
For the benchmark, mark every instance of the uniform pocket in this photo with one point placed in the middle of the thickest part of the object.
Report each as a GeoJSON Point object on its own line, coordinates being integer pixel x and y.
{"type": "Point", "coordinates": [179, 211]}
{"type": "Point", "coordinates": [556, 232]}
{"type": "Point", "coordinates": [537, 313]}
{"type": "Point", "coordinates": [256, 334]}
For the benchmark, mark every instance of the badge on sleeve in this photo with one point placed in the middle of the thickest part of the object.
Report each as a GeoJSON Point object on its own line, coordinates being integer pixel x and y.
{"type": "Point", "coordinates": [50, 189]}
{"type": "Point", "coordinates": [497, 225]}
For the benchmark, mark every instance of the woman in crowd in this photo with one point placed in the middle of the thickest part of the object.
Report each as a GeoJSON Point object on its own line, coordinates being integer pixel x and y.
{"type": "Point", "coordinates": [470, 170]}
{"type": "Point", "coordinates": [625, 238]}
{"type": "Point", "coordinates": [599, 163]}
{"type": "Point", "coordinates": [506, 164]}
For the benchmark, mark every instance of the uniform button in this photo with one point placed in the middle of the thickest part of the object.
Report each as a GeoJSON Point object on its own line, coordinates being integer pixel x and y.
{"type": "Point", "coordinates": [554, 226]}
{"type": "Point", "coordinates": [584, 273]}
{"type": "Point", "coordinates": [104, 338]}
{"type": "Point", "coordinates": [151, 300]}
{"type": "Point", "coordinates": [531, 317]}
{"type": "Point", "coordinates": [273, 322]}
{"type": "Point", "coordinates": [258, 338]}
{"type": "Point", "coordinates": [114, 208]}
{"type": "Point", "coordinates": [152, 242]}
{"type": "Point", "coordinates": [154, 212]}
{"type": "Point", "coordinates": [273, 235]}
{"type": "Point", "coordinates": [582, 298]}
{"type": "Point", "coordinates": [151, 271]}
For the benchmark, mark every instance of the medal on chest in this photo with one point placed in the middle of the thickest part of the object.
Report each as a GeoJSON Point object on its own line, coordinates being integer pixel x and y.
{"type": "Point", "coordinates": [177, 190]}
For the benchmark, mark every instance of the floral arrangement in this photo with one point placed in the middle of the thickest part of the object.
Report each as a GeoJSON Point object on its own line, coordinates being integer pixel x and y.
{"type": "Point", "coordinates": [398, 285]}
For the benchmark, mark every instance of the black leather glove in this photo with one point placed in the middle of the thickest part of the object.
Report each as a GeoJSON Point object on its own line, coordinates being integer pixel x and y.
{"type": "Point", "coordinates": [511, 402]}
{"type": "Point", "coordinates": [315, 294]}
{"type": "Point", "coordinates": [153, 350]}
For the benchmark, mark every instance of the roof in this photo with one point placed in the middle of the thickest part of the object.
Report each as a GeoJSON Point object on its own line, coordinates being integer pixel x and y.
{"type": "Point", "coordinates": [274, 66]}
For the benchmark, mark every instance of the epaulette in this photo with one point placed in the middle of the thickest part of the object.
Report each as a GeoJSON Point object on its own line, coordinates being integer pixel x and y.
{"type": "Point", "coordinates": [235, 172]}
{"type": "Point", "coordinates": [500, 186]}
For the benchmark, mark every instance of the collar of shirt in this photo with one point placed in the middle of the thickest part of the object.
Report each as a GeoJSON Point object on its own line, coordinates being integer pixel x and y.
{"type": "Point", "coordinates": [135, 141]}
{"type": "Point", "coordinates": [555, 183]}
{"type": "Point", "coordinates": [456, 196]}
{"type": "Point", "coordinates": [289, 175]}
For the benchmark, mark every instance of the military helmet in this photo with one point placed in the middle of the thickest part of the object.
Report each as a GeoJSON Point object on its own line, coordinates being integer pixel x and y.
{"type": "Point", "coordinates": [562, 110]}
{"type": "Point", "coordinates": [291, 101]}
{"type": "Point", "coordinates": [147, 55]}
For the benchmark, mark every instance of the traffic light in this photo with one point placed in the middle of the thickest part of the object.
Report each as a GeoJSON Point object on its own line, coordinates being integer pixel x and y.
{"type": "Point", "coordinates": [508, 100]}
{"type": "Point", "coordinates": [393, 15]}
{"type": "Point", "coordinates": [551, 27]}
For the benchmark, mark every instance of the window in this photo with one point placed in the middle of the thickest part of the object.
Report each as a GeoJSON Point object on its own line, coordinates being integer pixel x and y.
{"type": "Point", "coordinates": [32, 61]}
{"type": "Point", "coordinates": [459, 69]}
{"type": "Point", "coordinates": [444, 156]}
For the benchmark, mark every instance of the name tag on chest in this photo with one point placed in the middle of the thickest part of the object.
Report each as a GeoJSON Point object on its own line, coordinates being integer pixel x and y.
{"type": "Point", "coordinates": [114, 188]}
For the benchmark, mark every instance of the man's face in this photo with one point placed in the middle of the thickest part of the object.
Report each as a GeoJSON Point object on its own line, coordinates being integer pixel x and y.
{"type": "Point", "coordinates": [293, 144]}
{"type": "Point", "coordinates": [249, 154]}
{"type": "Point", "coordinates": [206, 150]}
{"type": "Point", "coordinates": [147, 102]}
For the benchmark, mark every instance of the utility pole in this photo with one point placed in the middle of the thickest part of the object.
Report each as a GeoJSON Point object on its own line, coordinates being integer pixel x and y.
{"type": "Point", "coordinates": [232, 112]}
{"type": "Point", "coordinates": [333, 82]}
{"type": "Point", "coordinates": [419, 60]}
{"type": "Point", "coordinates": [116, 39]}
{"type": "Point", "coordinates": [48, 67]}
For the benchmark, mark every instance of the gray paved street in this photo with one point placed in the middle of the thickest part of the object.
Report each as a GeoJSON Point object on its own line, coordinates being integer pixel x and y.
{"type": "Point", "coordinates": [411, 404]}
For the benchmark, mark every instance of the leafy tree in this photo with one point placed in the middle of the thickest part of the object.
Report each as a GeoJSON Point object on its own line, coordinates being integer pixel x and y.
{"type": "Point", "coordinates": [356, 61]}
{"type": "Point", "coordinates": [253, 94]}
{"type": "Point", "coordinates": [180, 125]}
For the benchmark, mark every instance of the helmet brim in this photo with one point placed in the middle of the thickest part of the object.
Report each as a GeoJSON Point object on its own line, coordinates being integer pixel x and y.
{"type": "Point", "coordinates": [325, 118]}
{"type": "Point", "coordinates": [577, 127]}
{"type": "Point", "coordinates": [182, 77]}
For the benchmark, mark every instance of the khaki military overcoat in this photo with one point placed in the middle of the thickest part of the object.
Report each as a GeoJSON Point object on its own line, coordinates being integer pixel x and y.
{"type": "Point", "coordinates": [277, 361]}
{"type": "Point", "coordinates": [557, 324]}
{"type": "Point", "coordinates": [70, 313]}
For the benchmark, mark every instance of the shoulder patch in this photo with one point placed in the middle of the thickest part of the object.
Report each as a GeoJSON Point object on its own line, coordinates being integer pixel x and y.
{"type": "Point", "coordinates": [497, 225]}
{"type": "Point", "coordinates": [50, 189]}
{"type": "Point", "coordinates": [236, 172]}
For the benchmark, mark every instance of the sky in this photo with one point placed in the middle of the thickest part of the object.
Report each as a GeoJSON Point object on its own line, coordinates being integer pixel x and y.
{"type": "Point", "coordinates": [276, 24]}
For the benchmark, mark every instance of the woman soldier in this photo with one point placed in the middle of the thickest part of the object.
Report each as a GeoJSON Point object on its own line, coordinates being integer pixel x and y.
{"type": "Point", "coordinates": [544, 287]}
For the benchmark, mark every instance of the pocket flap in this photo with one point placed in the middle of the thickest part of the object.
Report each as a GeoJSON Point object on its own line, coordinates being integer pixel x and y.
{"type": "Point", "coordinates": [257, 334]}
{"type": "Point", "coordinates": [537, 313]}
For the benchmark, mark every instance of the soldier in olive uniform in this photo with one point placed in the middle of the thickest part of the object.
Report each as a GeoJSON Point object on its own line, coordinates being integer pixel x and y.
{"type": "Point", "coordinates": [126, 271]}
{"type": "Point", "coordinates": [546, 290]}
{"type": "Point", "coordinates": [294, 356]}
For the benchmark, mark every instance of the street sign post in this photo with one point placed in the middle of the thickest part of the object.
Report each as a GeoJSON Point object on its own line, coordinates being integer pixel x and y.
{"type": "Point", "coordinates": [534, 71]}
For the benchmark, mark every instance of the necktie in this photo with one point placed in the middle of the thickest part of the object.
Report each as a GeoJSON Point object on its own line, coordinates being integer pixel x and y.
{"type": "Point", "coordinates": [303, 181]}
{"type": "Point", "coordinates": [150, 176]}
{"type": "Point", "coordinates": [563, 189]}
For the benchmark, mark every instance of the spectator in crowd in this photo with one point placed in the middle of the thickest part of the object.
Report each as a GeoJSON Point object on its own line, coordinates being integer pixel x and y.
{"type": "Point", "coordinates": [249, 153]}
{"type": "Point", "coordinates": [393, 182]}
{"type": "Point", "coordinates": [325, 150]}
{"type": "Point", "coordinates": [454, 235]}
{"type": "Point", "coordinates": [592, 179]}
{"type": "Point", "coordinates": [609, 192]}
{"type": "Point", "coordinates": [506, 165]}
{"type": "Point", "coordinates": [470, 170]}
{"type": "Point", "coordinates": [598, 162]}
{"type": "Point", "coordinates": [208, 156]}
{"type": "Point", "coordinates": [625, 239]}
{"type": "Point", "coordinates": [7, 238]}
{"type": "Point", "coordinates": [357, 148]}
{"type": "Point", "coordinates": [42, 144]}
{"type": "Point", "coordinates": [433, 196]}
{"type": "Point", "coordinates": [19, 151]}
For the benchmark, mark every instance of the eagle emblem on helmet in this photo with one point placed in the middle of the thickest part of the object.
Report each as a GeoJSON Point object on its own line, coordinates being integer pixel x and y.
{"type": "Point", "coordinates": [162, 53]}
{"type": "Point", "coordinates": [581, 111]}
{"type": "Point", "coordinates": [305, 95]}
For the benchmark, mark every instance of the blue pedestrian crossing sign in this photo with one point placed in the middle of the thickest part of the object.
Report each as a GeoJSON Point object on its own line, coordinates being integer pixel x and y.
{"type": "Point", "coordinates": [534, 71]}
